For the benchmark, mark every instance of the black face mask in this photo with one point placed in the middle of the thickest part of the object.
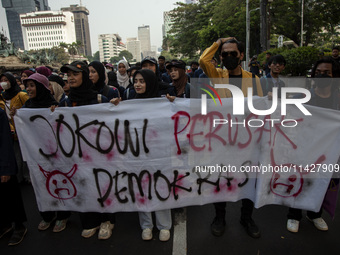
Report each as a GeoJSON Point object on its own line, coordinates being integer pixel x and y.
{"type": "Point", "coordinates": [194, 69]}
{"type": "Point", "coordinates": [321, 82]}
{"type": "Point", "coordinates": [230, 62]}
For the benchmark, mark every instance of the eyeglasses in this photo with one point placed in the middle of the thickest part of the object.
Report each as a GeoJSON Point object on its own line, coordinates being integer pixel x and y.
{"type": "Point", "coordinates": [231, 53]}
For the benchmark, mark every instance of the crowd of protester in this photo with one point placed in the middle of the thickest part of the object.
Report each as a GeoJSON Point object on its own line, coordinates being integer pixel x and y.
{"type": "Point", "coordinates": [80, 83]}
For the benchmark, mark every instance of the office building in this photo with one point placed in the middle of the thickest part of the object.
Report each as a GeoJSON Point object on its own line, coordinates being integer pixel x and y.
{"type": "Point", "coordinates": [13, 10]}
{"type": "Point", "coordinates": [133, 45]}
{"type": "Point", "coordinates": [167, 20]}
{"type": "Point", "coordinates": [82, 28]}
{"type": "Point", "coordinates": [144, 38]}
{"type": "Point", "coordinates": [47, 29]}
{"type": "Point", "coordinates": [110, 45]}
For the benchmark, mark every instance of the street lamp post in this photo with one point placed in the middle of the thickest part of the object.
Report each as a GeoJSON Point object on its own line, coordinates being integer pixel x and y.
{"type": "Point", "coordinates": [301, 42]}
{"type": "Point", "coordinates": [248, 29]}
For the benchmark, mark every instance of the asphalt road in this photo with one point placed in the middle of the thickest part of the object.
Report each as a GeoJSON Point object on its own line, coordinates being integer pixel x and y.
{"type": "Point", "coordinates": [190, 235]}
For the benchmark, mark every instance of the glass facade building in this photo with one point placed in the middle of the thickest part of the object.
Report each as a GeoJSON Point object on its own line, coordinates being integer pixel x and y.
{"type": "Point", "coordinates": [13, 10]}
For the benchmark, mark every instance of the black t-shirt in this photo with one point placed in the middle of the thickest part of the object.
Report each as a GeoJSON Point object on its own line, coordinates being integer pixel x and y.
{"type": "Point", "coordinates": [322, 102]}
{"type": "Point", "coordinates": [236, 80]}
{"type": "Point", "coordinates": [336, 60]}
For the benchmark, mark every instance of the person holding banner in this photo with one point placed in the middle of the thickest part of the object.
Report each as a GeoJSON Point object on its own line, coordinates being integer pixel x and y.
{"type": "Point", "coordinates": [147, 86]}
{"type": "Point", "coordinates": [122, 76]}
{"type": "Point", "coordinates": [97, 75]}
{"type": "Point", "coordinates": [179, 78]}
{"type": "Point", "coordinates": [40, 97]}
{"type": "Point", "coordinates": [82, 92]}
{"type": "Point", "coordinates": [326, 95]}
{"type": "Point", "coordinates": [231, 54]}
{"type": "Point", "coordinates": [12, 207]}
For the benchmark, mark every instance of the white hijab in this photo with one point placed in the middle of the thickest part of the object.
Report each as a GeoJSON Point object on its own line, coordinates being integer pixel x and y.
{"type": "Point", "coordinates": [123, 80]}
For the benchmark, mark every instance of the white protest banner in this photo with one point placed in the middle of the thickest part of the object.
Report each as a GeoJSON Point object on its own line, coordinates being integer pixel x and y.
{"type": "Point", "coordinates": [147, 155]}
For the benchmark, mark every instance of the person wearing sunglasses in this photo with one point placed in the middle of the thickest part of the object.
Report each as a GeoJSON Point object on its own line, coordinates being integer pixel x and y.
{"type": "Point", "coordinates": [231, 53]}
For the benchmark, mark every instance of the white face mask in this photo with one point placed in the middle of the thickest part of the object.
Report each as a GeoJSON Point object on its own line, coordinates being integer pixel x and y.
{"type": "Point", "coordinates": [107, 70]}
{"type": "Point", "coordinates": [5, 85]}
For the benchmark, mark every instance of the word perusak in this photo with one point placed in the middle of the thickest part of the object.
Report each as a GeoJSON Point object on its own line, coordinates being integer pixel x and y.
{"type": "Point", "coordinates": [238, 105]}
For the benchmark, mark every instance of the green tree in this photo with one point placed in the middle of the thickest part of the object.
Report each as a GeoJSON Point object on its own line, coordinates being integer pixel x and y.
{"type": "Point", "coordinates": [168, 56]}
{"type": "Point", "coordinates": [114, 60]}
{"type": "Point", "coordinates": [128, 55]}
{"type": "Point", "coordinates": [318, 15]}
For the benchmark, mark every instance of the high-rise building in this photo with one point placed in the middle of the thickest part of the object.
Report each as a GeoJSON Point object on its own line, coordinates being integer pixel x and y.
{"type": "Point", "coordinates": [46, 29]}
{"type": "Point", "coordinates": [133, 46]}
{"type": "Point", "coordinates": [167, 23]}
{"type": "Point", "coordinates": [110, 45]}
{"type": "Point", "coordinates": [144, 38]}
{"type": "Point", "coordinates": [16, 7]}
{"type": "Point", "coordinates": [81, 23]}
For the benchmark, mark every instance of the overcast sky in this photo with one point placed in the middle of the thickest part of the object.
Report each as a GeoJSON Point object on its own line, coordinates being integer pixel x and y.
{"type": "Point", "coordinates": [113, 16]}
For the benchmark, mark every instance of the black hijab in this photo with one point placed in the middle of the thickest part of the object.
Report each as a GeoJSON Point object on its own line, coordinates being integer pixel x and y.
{"type": "Point", "coordinates": [113, 79]}
{"type": "Point", "coordinates": [99, 67]}
{"type": "Point", "coordinates": [13, 90]}
{"type": "Point", "coordinates": [85, 93]}
{"type": "Point", "coordinates": [151, 81]}
{"type": "Point", "coordinates": [43, 98]}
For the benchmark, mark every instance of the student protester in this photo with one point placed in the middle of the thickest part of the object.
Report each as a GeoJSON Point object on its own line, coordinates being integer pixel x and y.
{"type": "Point", "coordinates": [25, 74]}
{"type": "Point", "coordinates": [335, 54]}
{"type": "Point", "coordinates": [44, 71]}
{"type": "Point", "coordinates": [83, 92]}
{"type": "Point", "coordinates": [66, 86]}
{"type": "Point", "coordinates": [13, 98]}
{"type": "Point", "coordinates": [161, 65]}
{"type": "Point", "coordinates": [12, 207]}
{"type": "Point", "coordinates": [56, 85]}
{"type": "Point", "coordinates": [151, 64]}
{"type": "Point", "coordinates": [122, 76]}
{"type": "Point", "coordinates": [130, 92]}
{"type": "Point", "coordinates": [254, 66]}
{"type": "Point", "coordinates": [231, 54]}
{"type": "Point", "coordinates": [113, 82]}
{"type": "Point", "coordinates": [38, 89]}
{"type": "Point", "coordinates": [179, 78]}
{"type": "Point", "coordinates": [21, 85]}
{"type": "Point", "coordinates": [193, 68]}
{"type": "Point", "coordinates": [276, 65]}
{"type": "Point", "coordinates": [325, 94]}
{"type": "Point", "coordinates": [166, 76]}
{"type": "Point", "coordinates": [109, 67]}
{"type": "Point", "coordinates": [147, 86]}
{"type": "Point", "coordinates": [97, 76]}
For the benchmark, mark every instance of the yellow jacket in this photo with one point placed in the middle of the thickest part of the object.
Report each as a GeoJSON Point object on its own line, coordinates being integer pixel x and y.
{"type": "Point", "coordinates": [212, 72]}
{"type": "Point", "coordinates": [17, 101]}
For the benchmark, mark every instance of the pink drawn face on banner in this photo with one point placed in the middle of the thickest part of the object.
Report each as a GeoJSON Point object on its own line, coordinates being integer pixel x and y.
{"type": "Point", "coordinates": [286, 184]}
{"type": "Point", "coordinates": [59, 185]}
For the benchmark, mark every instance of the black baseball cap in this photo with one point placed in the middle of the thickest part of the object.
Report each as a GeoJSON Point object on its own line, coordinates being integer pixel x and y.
{"type": "Point", "coordinates": [77, 66]}
{"type": "Point", "coordinates": [178, 63]}
{"type": "Point", "coordinates": [149, 59]}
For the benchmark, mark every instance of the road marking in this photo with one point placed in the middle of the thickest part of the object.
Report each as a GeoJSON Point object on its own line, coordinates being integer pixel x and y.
{"type": "Point", "coordinates": [179, 246]}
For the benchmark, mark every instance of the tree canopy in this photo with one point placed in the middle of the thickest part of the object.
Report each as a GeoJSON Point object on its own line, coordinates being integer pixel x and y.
{"type": "Point", "coordinates": [197, 26]}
